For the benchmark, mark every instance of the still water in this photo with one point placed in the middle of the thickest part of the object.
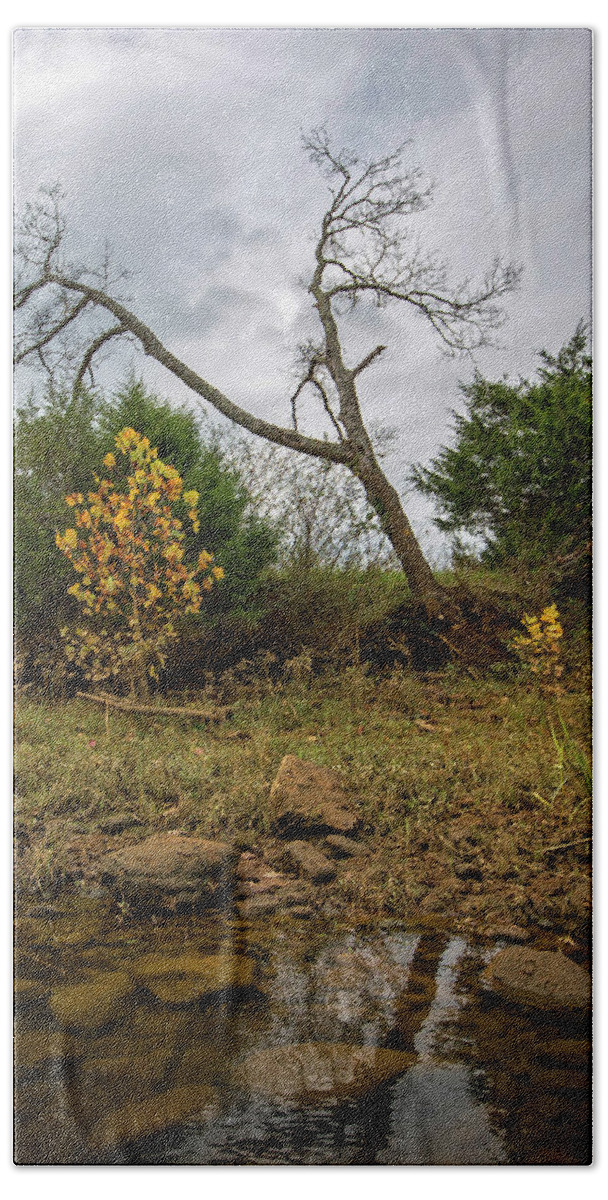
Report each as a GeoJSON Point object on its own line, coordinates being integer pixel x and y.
{"type": "Point", "coordinates": [216, 1041]}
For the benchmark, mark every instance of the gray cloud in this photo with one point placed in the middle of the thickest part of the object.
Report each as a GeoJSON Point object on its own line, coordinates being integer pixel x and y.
{"type": "Point", "coordinates": [181, 147]}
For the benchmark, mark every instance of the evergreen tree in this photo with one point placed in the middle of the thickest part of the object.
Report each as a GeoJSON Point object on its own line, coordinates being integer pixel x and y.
{"type": "Point", "coordinates": [519, 472]}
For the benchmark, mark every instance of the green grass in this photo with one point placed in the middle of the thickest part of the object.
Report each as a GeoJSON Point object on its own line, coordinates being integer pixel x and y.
{"type": "Point", "coordinates": [487, 750]}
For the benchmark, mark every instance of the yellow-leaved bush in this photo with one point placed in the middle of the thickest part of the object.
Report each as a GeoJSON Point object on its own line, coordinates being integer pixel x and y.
{"type": "Point", "coordinates": [539, 647]}
{"type": "Point", "coordinates": [128, 548]}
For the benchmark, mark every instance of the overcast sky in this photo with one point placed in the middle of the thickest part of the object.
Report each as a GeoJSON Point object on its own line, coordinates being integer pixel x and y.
{"type": "Point", "coordinates": [181, 147]}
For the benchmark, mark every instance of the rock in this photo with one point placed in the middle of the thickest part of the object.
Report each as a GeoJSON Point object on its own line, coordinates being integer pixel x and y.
{"type": "Point", "coordinates": [203, 1062]}
{"type": "Point", "coordinates": [258, 906]}
{"type": "Point", "coordinates": [153, 1031]}
{"type": "Point", "coordinates": [511, 933]}
{"type": "Point", "coordinates": [249, 866]}
{"type": "Point", "coordinates": [119, 822]}
{"type": "Point", "coordinates": [319, 1072]}
{"type": "Point", "coordinates": [439, 900]}
{"type": "Point", "coordinates": [309, 799]}
{"type": "Point", "coordinates": [341, 847]}
{"type": "Point", "coordinates": [125, 1080]}
{"type": "Point", "coordinates": [28, 989]}
{"type": "Point", "coordinates": [268, 882]}
{"type": "Point", "coordinates": [299, 892]}
{"type": "Point", "coordinates": [468, 869]}
{"type": "Point", "coordinates": [310, 861]}
{"type": "Point", "coordinates": [38, 1045]}
{"type": "Point", "coordinates": [160, 1111]}
{"type": "Point", "coordinates": [538, 979]}
{"type": "Point", "coordinates": [568, 1052]}
{"type": "Point", "coordinates": [94, 1003]}
{"type": "Point", "coordinates": [172, 871]}
{"type": "Point", "coordinates": [292, 894]}
{"type": "Point", "coordinates": [185, 978]}
{"type": "Point", "coordinates": [579, 895]}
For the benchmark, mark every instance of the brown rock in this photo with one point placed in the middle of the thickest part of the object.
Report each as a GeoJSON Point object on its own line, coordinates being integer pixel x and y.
{"type": "Point", "coordinates": [160, 1111]}
{"type": "Point", "coordinates": [249, 866]}
{"type": "Point", "coordinates": [511, 933]}
{"type": "Point", "coordinates": [102, 1082]}
{"type": "Point", "coordinates": [538, 979]}
{"type": "Point", "coordinates": [93, 1003]}
{"type": "Point", "coordinates": [438, 900]}
{"type": "Point", "coordinates": [203, 1062]}
{"type": "Point", "coordinates": [156, 1032]}
{"type": "Point", "coordinates": [299, 892]}
{"type": "Point", "coordinates": [185, 978]}
{"type": "Point", "coordinates": [340, 846]}
{"type": "Point", "coordinates": [258, 906]}
{"type": "Point", "coordinates": [267, 883]}
{"type": "Point", "coordinates": [171, 870]}
{"type": "Point", "coordinates": [37, 1045]}
{"type": "Point", "coordinates": [579, 895]}
{"type": "Point", "coordinates": [310, 799]}
{"type": "Point", "coordinates": [310, 861]}
{"type": "Point", "coordinates": [319, 1072]}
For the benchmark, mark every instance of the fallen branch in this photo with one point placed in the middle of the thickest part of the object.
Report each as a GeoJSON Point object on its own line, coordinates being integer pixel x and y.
{"type": "Point", "coordinates": [565, 845]}
{"type": "Point", "coordinates": [206, 714]}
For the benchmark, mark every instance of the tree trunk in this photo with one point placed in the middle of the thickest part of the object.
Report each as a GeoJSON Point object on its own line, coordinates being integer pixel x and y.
{"type": "Point", "coordinates": [139, 677]}
{"type": "Point", "coordinates": [381, 494]}
{"type": "Point", "coordinates": [385, 501]}
{"type": "Point", "coordinates": [142, 687]}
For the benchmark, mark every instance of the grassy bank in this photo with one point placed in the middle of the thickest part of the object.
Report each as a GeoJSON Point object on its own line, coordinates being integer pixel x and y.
{"type": "Point", "coordinates": [473, 792]}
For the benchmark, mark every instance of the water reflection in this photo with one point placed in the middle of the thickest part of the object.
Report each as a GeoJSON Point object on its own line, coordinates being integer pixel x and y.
{"type": "Point", "coordinates": [159, 1082]}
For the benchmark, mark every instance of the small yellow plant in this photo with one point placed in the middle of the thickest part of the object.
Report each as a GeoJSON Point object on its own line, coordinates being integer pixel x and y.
{"type": "Point", "coordinates": [128, 549]}
{"type": "Point", "coordinates": [539, 647]}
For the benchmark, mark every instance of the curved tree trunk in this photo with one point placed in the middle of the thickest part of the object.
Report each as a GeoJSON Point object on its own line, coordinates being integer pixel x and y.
{"type": "Point", "coordinates": [381, 494]}
{"type": "Point", "coordinates": [385, 501]}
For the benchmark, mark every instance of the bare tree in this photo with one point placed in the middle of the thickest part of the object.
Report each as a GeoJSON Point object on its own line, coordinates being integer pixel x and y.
{"type": "Point", "coordinates": [364, 250]}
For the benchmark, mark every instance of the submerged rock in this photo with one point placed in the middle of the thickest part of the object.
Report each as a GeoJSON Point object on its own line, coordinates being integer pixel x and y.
{"type": "Point", "coordinates": [319, 1072]}
{"type": "Point", "coordinates": [202, 1062]}
{"type": "Point", "coordinates": [93, 1003]}
{"type": "Point", "coordinates": [105, 1082]}
{"type": "Point", "coordinates": [148, 1031]}
{"type": "Point", "coordinates": [38, 1045]}
{"type": "Point", "coordinates": [538, 979]}
{"type": "Point", "coordinates": [309, 799]}
{"type": "Point", "coordinates": [185, 978]}
{"type": "Point", "coordinates": [310, 862]}
{"type": "Point", "coordinates": [159, 1111]}
{"type": "Point", "coordinates": [303, 912]}
{"type": "Point", "coordinates": [171, 871]}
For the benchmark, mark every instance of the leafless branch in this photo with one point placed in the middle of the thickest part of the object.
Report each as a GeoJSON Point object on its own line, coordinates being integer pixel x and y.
{"type": "Point", "coordinates": [312, 360]}
{"type": "Point", "coordinates": [52, 333]}
{"type": "Point", "coordinates": [368, 360]}
{"type": "Point", "coordinates": [327, 406]}
{"type": "Point", "coordinates": [365, 248]}
{"type": "Point", "coordinates": [106, 336]}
